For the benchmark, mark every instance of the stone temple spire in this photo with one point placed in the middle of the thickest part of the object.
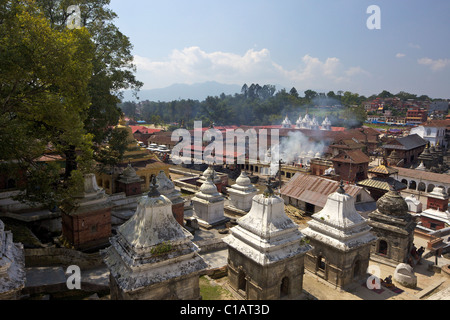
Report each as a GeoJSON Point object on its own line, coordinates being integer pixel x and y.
{"type": "Point", "coordinates": [152, 256]}
{"type": "Point", "coordinates": [341, 239]}
{"type": "Point", "coordinates": [266, 242]}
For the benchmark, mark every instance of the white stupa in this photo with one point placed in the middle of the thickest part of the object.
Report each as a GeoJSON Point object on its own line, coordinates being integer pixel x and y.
{"type": "Point", "coordinates": [266, 249]}
{"type": "Point", "coordinates": [242, 193]}
{"type": "Point", "coordinates": [152, 257]}
{"type": "Point", "coordinates": [326, 124]}
{"type": "Point", "coordinates": [286, 123]}
{"type": "Point", "coordinates": [209, 205]}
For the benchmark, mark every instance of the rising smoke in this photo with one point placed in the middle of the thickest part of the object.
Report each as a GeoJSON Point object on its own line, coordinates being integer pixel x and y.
{"type": "Point", "coordinates": [294, 149]}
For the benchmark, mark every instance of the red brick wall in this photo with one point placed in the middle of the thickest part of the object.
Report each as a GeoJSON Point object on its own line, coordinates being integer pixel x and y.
{"type": "Point", "coordinates": [435, 204]}
{"type": "Point", "coordinates": [130, 189]}
{"type": "Point", "coordinates": [87, 227]}
{"type": "Point", "coordinates": [427, 223]}
{"type": "Point", "coordinates": [178, 213]}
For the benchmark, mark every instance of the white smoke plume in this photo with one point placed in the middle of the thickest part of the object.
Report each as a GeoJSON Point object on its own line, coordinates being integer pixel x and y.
{"type": "Point", "coordinates": [296, 148]}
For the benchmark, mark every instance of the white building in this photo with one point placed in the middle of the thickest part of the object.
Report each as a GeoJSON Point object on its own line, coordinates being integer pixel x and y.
{"type": "Point", "coordinates": [433, 131]}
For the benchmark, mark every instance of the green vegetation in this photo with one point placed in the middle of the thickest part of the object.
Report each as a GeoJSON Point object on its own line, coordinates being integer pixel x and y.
{"type": "Point", "coordinates": [212, 291]}
{"type": "Point", "coordinates": [255, 105]}
{"type": "Point", "coordinates": [162, 248]}
{"type": "Point", "coordinates": [59, 92]}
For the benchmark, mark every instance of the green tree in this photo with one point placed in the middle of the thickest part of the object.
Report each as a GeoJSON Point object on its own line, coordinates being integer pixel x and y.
{"type": "Point", "coordinates": [44, 98]}
{"type": "Point", "coordinates": [112, 64]}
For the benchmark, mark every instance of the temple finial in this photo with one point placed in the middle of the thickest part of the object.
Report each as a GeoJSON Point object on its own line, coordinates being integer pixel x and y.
{"type": "Point", "coordinates": [154, 193]}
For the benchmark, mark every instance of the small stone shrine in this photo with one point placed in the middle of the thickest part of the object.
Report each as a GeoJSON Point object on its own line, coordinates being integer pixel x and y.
{"type": "Point", "coordinates": [167, 188]}
{"type": "Point", "coordinates": [341, 239]}
{"type": "Point", "coordinates": [242, 193]}
{"type": "Point", "coordinates": [129, 182]}
{"type": "Point", "coordinates": [209, 205]}
{"type": "Point", "coordinates": [215, 178]}
{"type": "Point", "coordinates": [86, 222]}
{"type": "Point", "coordinates": [266, 252]}
{"type": "Point", "coordinates": [152, 257]}
{"type": "Point", "coordinates": [394, 227]}
{"type": "Point", "coordinates": [12, 266]}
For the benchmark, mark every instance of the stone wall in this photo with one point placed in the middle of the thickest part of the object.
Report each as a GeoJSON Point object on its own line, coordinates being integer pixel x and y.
{"type": "Point", "coordinates": [182, 288]}
{"type": "Point", "coordinates": [265, 282]}
{"type": "Point", "coordinates": [46, 257]}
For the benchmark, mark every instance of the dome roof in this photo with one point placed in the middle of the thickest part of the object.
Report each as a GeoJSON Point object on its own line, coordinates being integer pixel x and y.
{"type": "Point", "coordinates": [243, 180]}
{"type": "Point", "coordinates": [208, 187]}
{"type": "Point", "coordinates": [392, 204]}
{"type": "Point", "coordinates": [129, 171]}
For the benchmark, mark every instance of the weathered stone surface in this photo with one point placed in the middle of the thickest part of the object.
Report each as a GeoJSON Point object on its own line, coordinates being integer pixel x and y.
{"type": "Point", "coordinates": [394, 227]}
{"type": "Point", "coordinates": [341, 239]}
{"type": "Point", "coordinates": [242, 193]}
{"type": "Point", "coordinates": [266, 252]}
{"type": "Point", "coordinates": [152, 255]}
{"type": "Point", "coordinates": [12, 266]}
{"type": "Point", "coordinates": [404, 275]}
{"type": "Point", "coordinates": [209, 205]}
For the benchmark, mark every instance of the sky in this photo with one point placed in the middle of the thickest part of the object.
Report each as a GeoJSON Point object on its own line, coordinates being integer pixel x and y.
{"type": "Point", "coordinates": [322, 45]}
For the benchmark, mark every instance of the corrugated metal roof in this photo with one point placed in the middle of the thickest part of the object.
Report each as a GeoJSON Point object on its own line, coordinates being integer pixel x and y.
{"type": "Point", "coordinates": [314, 189]}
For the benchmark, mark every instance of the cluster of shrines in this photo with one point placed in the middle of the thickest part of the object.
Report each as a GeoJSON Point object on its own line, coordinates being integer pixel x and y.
{"type": "Point", "coordinates": [152, 255]}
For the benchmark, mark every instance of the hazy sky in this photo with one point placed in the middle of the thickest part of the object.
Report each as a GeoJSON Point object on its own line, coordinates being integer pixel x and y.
{"type": "Point", "coordinates": [310, 44]}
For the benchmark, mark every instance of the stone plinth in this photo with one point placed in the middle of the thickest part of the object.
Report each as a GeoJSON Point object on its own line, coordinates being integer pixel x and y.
{"type": "Point", "coordinates": [209, 205]}
{"type": "Point", "coordinates": [12, 266]}
{"type": "Point", "coordinates": [341, 239]}
{"type": "Point", "coordinates": [404, 275]}
{"type": "Point", "coordinates": [152, 256]}
{"type": "Point", "coordinates": [86, 222]}
{"type": "Point", "coordinates": [266, 252]}
{"type": "Point", "coordinates": [242, 193]}
{"type": "Point", "coordinates": [167, 188]}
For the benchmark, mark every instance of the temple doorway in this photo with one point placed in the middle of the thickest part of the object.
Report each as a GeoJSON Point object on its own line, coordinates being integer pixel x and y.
{"type": "Point", "coordinates": [382, 247]}
{"type": "Point", "coordinates": [284, 288]}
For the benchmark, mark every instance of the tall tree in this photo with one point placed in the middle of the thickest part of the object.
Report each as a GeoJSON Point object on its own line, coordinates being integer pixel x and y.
{"type": "Point", "coordinates": [44, 97]}
{"type": "Point", "coordinates": [113, 69]}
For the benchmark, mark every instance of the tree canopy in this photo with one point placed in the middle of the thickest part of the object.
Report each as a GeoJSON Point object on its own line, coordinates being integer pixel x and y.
{"type": "Point", "coordinates": [59, 90]}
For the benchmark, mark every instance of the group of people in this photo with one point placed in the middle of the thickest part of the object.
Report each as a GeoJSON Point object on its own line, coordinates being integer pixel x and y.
{"type": "Point", "coordinates": [416, 254]}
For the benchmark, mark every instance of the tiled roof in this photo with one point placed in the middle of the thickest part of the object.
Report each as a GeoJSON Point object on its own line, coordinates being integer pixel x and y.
{"type": "Point", "coordinates": [406, 143]}
{"type": "Point", "coordinates": [351, 156]}
{"type": "Point", "coordinates": [424, 175]}
{"type": "Point", "coordinates": [382, 183]}
{"type": "Point", "coordinates": [383, 170]}
{"type": "Point", "coordinates": [437, 123]}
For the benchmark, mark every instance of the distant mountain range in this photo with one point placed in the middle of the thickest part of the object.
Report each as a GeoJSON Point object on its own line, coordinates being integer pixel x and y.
{"type": "Point", "coordinates": [197, 91]}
